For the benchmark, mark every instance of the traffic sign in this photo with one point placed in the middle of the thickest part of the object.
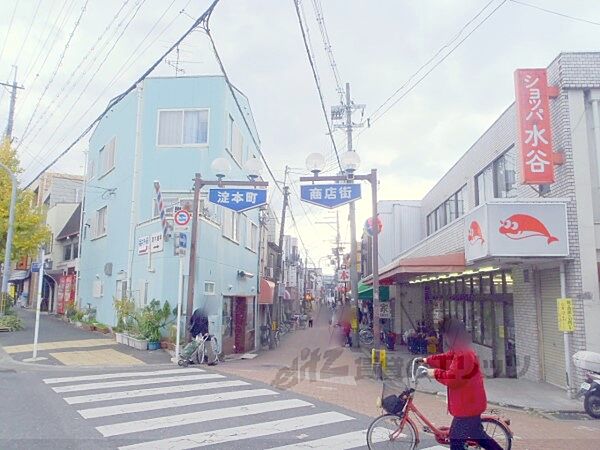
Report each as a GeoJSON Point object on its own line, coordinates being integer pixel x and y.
{"type": "Point", "coordinates": [330, 195]}
{"type": "Point", "coordinates": [343, 275]}
{"type": "Point", "coordinates": [35, 267]}
{"type": "Point", "coordinates": [238, 199]}
{"type": "Point", "coordinates": [182, 218]}
{"type": "Point", "coordinates": [181, 243]}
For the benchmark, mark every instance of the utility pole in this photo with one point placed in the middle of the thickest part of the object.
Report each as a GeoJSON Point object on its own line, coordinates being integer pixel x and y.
{"type": "Point", "coordinates": [278, 272]}
{"type": "Point", "coordinates": [11, 108]}
{"type": "Point", "coordinates": [349, 107]}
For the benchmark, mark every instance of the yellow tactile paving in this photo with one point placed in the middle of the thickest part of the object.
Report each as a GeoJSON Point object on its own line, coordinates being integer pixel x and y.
{"type": "Point", "coordinates": [82, 343]}
{"type": "Point", "coordinates": [96, 358]}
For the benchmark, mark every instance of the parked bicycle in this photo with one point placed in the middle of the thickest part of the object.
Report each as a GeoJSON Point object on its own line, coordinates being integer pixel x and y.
{"type": "Point", "coordinates": [196, 352]}
{"type": "Point", "coordinates": [365, 336]}
{"type": "Point", "coordinates": [398, 427]}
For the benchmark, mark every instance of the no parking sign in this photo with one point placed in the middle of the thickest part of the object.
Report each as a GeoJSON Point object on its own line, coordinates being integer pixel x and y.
{"type": "Point", "coordinates": [182, 218]}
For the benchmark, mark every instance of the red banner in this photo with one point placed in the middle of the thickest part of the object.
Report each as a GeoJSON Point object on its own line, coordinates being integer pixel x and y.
{"type": "Point", "coordinates": [66, 292]}
{"type": "Point", "coordinates": [533, 119]}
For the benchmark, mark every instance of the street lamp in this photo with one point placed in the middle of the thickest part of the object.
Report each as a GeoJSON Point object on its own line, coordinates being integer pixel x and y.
{"type": "Point", "coordinates": [253, 168]}
{"type": "Point", "coordinates": [221, 167]}
{"type": "Point", "coordinates": [350, 162]}
{"type": "Point", "coordinates": [315, 162]}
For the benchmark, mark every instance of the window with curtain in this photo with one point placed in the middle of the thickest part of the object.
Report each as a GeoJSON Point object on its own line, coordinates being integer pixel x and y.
{"type": "Point", "coordinates": [182, 127]}
{"type": "Point", "coordinates": [100, 222]}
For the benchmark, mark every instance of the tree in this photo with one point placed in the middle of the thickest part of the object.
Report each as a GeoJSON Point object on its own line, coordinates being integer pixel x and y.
{"type": "Point", "coordinates": [30, 229]}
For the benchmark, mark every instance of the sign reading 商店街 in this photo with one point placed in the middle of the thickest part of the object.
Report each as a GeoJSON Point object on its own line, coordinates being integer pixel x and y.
{"type": "Point", "coordinates": [515, 229]}
{"type": "Point", "coordinates": [330, 195]}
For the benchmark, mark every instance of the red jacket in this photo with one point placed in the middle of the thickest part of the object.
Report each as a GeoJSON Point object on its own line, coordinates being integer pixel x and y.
{"type": "Point", "coordinates": [459, 371]}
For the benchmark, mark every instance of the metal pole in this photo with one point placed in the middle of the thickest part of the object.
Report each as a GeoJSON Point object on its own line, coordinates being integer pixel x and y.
{"type": "Point", "coordinates": [375, 257]}
{"type": "Point", "coordinates": [566, 335]}
{"type": "Point", "coordinates": [10, 230]}
{"type": "Point", "coordinates": [194, 239]}
{"type": "Point", "coordinates": [179, 306]}
{"type": "Point", "coordinates": [39, 303]}
{"type": "Point", "coordinates": [11, 110]}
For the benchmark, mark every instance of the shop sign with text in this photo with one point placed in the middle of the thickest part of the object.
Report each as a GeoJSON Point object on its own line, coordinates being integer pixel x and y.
{"type": "Point", "coordinates": [534, 131]}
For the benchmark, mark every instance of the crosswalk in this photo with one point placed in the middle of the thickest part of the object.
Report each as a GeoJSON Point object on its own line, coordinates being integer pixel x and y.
{"type": "Point", "coordinates": [187, 408]}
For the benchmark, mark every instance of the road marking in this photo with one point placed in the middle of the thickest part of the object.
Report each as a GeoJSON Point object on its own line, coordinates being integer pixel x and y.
{"type": "Point", "coordinates": [104, 357]}
{"type": "Point", "coordinates": [241, 433]}
{"type": "Point", "coordinates": [153, 391]}
{"type": "Point", "coordinates": [136, 382]}
{"type": "Point", "coordinates": [198, 417]}
{"type": "Point", "coordinates": [82, 343]}
{"type": "Point", "coordinates": [108, 376]}
{"type": "Point", "coordinates": [171, 403]}
{"type": "Point", "coordinates": [355, 439]}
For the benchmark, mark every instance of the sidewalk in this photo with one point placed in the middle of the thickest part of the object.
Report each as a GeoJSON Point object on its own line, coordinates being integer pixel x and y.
{"type": "Point", "coordinates": [62, 343]}
{"type": "Point", "coordinates": [511, 392]}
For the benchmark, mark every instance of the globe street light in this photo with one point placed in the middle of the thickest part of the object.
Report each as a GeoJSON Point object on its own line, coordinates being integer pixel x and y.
{"type": "Point", "coordinates": [221, 167]}
{"type": "Point", "coordinates": [253, 168]}
{"type": "Point", "coordinates": [350, 162]}
{"type": "Point", "coordinates": [315, 163]}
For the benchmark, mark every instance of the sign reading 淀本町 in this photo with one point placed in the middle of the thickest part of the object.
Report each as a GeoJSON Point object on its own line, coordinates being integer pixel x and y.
{"type": "Point", "coordinates": [533, 121]}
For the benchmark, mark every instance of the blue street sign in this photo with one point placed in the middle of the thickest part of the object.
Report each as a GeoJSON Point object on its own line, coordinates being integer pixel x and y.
{"type": "Point", "coordinates": [238, 199]}
{"type": "Point", "coordinates": [182, 240]}
{"type": "Point", "coordinates": [35, 267]}
{"type": "Point", "coordinates": [330, 195]}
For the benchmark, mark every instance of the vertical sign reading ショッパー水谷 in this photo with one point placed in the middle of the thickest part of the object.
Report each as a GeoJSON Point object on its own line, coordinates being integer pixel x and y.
{"type": "Point", "coordinates": [533, 120]}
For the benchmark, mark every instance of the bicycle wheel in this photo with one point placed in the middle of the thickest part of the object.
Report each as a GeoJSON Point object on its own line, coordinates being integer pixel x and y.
{"type": "Point", "coordinates": [383, 434]}
{"type": "Point", "coordinates": [497, 431]}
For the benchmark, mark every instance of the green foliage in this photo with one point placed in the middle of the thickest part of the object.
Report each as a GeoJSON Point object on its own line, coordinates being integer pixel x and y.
{"type": "Point", "coordinates": [125, 308]}
{"type": "Point", "coordinates": [152, 318]}
{"type": "Point", "coordinates": [30, 228]}
{"type": "Point", "coordinates": [12, 322]}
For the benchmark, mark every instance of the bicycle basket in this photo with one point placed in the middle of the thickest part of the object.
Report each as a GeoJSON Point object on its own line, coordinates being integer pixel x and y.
{"type": "Point", "coordinates": [394, 396]}
{"type": "Point", "coordinates": [393, 404]}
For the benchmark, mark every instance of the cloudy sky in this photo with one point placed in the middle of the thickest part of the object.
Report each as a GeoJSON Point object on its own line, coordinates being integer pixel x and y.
{"type": "Point", "coordinates": [378, 46]}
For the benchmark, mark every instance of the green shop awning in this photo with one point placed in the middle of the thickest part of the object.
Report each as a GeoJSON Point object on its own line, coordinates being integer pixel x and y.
{"type": "Point", "coordinates": [365, 292]}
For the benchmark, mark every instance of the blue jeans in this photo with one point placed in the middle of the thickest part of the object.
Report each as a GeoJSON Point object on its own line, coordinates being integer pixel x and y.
{"type": "Point", "coordinates": [470, 428]}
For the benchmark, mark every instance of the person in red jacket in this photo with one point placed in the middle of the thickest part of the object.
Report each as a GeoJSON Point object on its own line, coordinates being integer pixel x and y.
{"type": "Point", "coordinates": [458, 369]}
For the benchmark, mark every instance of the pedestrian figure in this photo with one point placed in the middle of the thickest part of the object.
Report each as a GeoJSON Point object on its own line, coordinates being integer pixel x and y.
{"type": "Point", "coordinates": [310, 322]}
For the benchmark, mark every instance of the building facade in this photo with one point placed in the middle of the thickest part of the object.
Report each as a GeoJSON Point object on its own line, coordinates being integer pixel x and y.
{"type": "Point", "coordinates": [506, 290]}
{"type": "Point", "coordinates": [168, 130]}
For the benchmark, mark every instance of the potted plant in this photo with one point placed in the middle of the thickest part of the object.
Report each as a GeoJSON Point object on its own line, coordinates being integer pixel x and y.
{"type": "Point", "coordinates": [125, 309]}
{"type": "Point", "coordinates": [151, 320]}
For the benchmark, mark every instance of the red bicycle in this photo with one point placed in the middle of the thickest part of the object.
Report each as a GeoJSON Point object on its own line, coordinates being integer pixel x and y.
{"type": "Point", "coordinates": [397, 427]}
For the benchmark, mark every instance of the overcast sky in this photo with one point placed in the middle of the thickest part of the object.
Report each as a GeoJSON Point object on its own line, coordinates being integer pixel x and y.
{"type": "Point", "coordinates": [377, 44]}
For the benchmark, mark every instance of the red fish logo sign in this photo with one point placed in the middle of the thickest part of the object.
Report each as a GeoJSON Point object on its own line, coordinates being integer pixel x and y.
{"type": "Point", "coordinates": [523, 226]}
{"type": "Point", "coordinates": [475, 234]}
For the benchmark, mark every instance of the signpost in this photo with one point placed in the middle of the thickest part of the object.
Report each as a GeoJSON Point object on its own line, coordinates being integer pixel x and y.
{"type": "Point", "coordinates": [330, 195]}
{"type": "Point", "coordinates": [180, 246]}
{"type": "Point", "coordinates": [238, 200]}
{"type": "Point", "coordinates": [182, 218]}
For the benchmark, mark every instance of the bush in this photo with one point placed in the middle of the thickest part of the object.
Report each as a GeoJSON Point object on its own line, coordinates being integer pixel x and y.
{"type": "Point", "coordinates": [13, 323]}
{"type": "Point", "coordinates": [125, 309]}
{"type": "Point", "coordinates": [152, 318]}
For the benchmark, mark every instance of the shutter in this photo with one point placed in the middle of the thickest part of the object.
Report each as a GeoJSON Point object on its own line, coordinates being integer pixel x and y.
{"type": "Point", "coordinates": [554, 349]}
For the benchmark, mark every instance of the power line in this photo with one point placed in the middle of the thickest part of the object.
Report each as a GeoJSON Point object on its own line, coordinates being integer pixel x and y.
{"type": "Point", "coordinates": [318, 85]}
{"type": "Point", "coordinates": [10, 24]}
{"type": "Point", "coordinates": [372, 118]}
{"type": "Point", "coordinates": [60, 61]}
{"type": "Point", "coordinates": [136, 8]}
{"type": "Point", "coordinates": [133, 86]}
{"type": "Point", "coordinates": [549, 11]}
{"type": "Point", "coordinates": [35, 13]}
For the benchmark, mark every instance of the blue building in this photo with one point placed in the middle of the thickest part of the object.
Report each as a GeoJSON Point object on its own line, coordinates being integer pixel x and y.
{"type": "Point", "coordinates": [169, 129]}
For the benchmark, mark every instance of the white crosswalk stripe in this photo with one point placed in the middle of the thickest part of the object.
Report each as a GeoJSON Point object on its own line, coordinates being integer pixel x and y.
{"type": "Point", "coordinates": [192, 408]}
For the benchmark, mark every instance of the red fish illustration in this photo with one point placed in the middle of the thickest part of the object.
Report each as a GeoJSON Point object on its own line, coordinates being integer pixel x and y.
{"type": "Point", "coordinates": [522, 226]}
{"type": "Point", "coordinates": [475, 233]}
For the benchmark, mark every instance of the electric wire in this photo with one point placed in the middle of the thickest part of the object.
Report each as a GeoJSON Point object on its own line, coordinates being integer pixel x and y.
{"type": "Point", "coordinates": [133, 86]}
{"type": "Point", "coordinates": [10, 24]}
{"type": "Point", "coordinates": [566, 16]}
{"type": "Point", "coordinates": [316, 79]}
{"type": "Point", "coordinates": [56, 69]}
{"type": "Point", "coordinates": [35, 13]}
{"type": "Point", "coordinates": [373, 118]}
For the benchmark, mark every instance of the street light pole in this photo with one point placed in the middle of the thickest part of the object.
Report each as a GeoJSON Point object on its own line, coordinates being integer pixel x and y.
{"type": "Point", "coordinates": [10, 231]}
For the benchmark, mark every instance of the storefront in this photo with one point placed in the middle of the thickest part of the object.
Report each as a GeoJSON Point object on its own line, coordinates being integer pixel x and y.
{"type": "Point", "coordinates": [238, 324]}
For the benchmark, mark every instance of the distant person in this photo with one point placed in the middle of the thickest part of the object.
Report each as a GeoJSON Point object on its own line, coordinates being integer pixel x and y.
{"type": "Point", "coordinates": [310, 322]}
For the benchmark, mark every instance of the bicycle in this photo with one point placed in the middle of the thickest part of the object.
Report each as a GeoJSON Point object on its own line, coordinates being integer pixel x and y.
{"type": "Point", "coordinates": [199, 354]}
{"type": "Point", "coordinates": [365, 336]}
{"type": "Point", "coordinates": [395, 429]}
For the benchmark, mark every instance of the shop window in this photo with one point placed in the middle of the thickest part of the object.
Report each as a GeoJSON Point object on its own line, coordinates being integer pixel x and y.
{"type": "Point", "coordinates": [469, 316]}
{"type": "Point", "coordinates": [452, 309]}
{"type": "Point", "coordinates": [488, 323]}
{"type": "Point", "coordinates": [508, 283]}
{"type": "Point", "coordinates": [486, 285]}
{"type": "Point", "coordinates": [497, 283]}
{"type": "Point", "coordinates": [475, 285]}
{"type": "Point", "coordinates": [446, 308]}
{"type": "Point", "coordinates": [477, 323]}
{"type": "Point", "coordinates": [227, 316]}
{"type": "Point", "coordinates": [467, 285]}
{"type": "Point", "coordinates": [460, 286]}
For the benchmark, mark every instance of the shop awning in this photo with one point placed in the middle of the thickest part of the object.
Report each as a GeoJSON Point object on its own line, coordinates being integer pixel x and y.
{"type": "Point", "coordinates": [404, 268]}
{"type": "Point", "coordinates": [267, 288]}
{"type": "Point", "coordinates": [19, 275]}
{"type": "Point", "coordinates": [365, 292]}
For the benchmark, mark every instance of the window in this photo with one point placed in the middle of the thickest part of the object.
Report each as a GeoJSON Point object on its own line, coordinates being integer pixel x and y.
{"type": "Point", "coordinates": [447, 212]}
{"type": "Point", "coordinates": [484, 186]}
{"type": "Point", "coordinates": [100, 223]}
{"type": "Point", "coordinates": [469, 316]}
{"type": "Point", "coordinates": [440, 217]}
{"type": "Point", "coordinates": [107, 157]}
{"type": "Point", "coordinates": [497, 283]}
{"type": "Point", "coordinates": [252, 236]}
{"type": "Point", "coordinates": [460, 201]}
{"type": "Point", "coordinates": [431, 224]}
{"type": "Point", "coordinates": [250, 314]}
{"type": "Point", "coordinates": [209, 288]}
{"type": "Point", "coordinates": [231, 222]}
{"type": "Point", "coordinates": [182, 127]}
{"type": "Point", "coordinates": [67, 252]}
{"type": "Point", "coordinates": [508, 283]}
{"type": "Point", "coordinates": [75, 251]}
